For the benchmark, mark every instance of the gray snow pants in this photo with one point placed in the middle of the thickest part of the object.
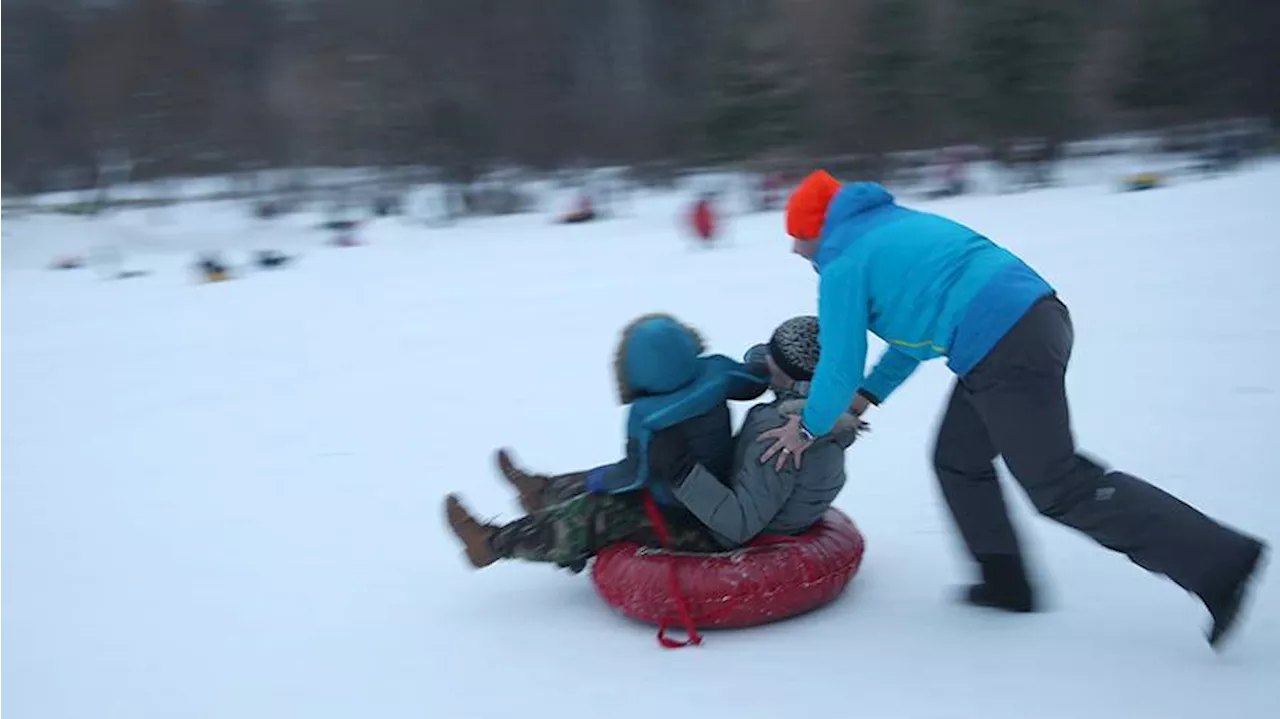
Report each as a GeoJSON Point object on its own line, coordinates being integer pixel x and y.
{"type": "Point", "coordinates": [1014, 404]}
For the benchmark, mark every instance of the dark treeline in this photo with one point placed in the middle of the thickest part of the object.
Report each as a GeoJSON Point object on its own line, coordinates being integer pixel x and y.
{"type": "Point", "coordinates": [198, 86]}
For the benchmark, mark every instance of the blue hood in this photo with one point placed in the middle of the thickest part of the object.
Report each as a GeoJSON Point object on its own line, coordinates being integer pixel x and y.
{"type": "Point", "coordinates": [658, 355]}
{"type": "Point", "coordinates": [855, 210]}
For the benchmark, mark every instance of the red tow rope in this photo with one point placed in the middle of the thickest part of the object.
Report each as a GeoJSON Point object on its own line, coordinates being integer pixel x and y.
{"type": "Point", "coordinates": [673, 584]}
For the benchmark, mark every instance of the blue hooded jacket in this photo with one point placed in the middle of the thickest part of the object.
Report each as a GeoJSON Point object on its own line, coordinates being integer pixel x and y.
{"type": "Point", "coordinates": [672, 387]}
{"type": "Point", "coordinates": [928, 286]}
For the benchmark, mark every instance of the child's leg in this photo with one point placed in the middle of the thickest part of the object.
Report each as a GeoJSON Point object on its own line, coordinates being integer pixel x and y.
{"type": "Point", "coordinates": [564, 487]}
{"type": "Point", "coordinates": [569, 532]}
{"type": "Point", "coordinates": [685, 532]}
{"type": "Point", "coordinates": [537, 491]}
{"type": "Point", "coordinates": [690, 535]}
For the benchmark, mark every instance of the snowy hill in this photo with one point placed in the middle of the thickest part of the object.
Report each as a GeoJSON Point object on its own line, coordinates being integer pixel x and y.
{"type": "Point", "coordinates": [223, 500]}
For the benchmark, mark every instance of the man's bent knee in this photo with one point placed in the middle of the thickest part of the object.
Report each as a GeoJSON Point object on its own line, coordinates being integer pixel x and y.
{"type": "Point", "coordinates": [950, 462]}
{"type": "Point", "coordinates": [1055, 496]}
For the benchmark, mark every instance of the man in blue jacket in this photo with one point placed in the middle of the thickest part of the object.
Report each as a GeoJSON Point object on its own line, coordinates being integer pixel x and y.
{"type": "Point", "coordinates": [933, 288]}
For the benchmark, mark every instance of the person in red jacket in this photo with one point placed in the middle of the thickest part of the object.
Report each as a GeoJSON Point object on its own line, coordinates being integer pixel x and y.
{"type": "Point", "coordinates": [704, 218]}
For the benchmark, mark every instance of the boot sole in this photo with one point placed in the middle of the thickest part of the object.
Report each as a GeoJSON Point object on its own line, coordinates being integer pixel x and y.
{"type": "Point", "coordinates": [970, 596]}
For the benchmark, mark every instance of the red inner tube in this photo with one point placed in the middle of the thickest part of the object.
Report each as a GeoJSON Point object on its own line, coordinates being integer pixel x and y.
{"type": "Point", "coordinates": [771, 579]}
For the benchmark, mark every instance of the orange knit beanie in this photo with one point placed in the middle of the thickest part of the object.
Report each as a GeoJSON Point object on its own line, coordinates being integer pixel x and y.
{"type": "Point", "coordinates": [807, 206]}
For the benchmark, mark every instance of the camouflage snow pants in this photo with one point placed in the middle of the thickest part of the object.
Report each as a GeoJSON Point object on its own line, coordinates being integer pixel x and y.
{"type": "Point", "coordinates": [573, 525]}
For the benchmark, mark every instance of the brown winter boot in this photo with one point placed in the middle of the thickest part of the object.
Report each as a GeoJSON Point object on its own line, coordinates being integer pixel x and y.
{"type": "Point", "coordinates": [528, 486]}
{"type": "Point", "coordinates": [474, 535]}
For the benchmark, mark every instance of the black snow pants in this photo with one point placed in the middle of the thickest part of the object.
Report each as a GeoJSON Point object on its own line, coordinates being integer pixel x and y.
{"type": "Point", "coordinates": [1014, 404]}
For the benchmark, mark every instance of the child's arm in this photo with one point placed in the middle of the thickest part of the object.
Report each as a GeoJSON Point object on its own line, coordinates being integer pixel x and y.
{"type": "Point", "coordinates": [622, 476]}
{"type": "Point", "coordinates": [662, 458]}
{"type": "Point", "coordinates": [743, 381]}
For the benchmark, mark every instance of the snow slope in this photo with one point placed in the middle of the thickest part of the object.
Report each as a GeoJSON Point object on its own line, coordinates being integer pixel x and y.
{"type": "Point", "coordinates": [224, 500]}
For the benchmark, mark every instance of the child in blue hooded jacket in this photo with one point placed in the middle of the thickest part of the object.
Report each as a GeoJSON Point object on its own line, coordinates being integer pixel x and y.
{"type": "Point", "coordinates": [933, 288]}
{"type": "Point", "coordinates": [678, 418]}
{"type": "Point", "coordinates": [675, 390]}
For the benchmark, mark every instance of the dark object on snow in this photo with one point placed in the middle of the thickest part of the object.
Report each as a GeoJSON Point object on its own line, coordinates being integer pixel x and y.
{"type": "Point", "coordinates": [1004, 584]}
{"type": "Point", "coordinates": [340, 225]}
{"type": "Point", "coordinates": [584, 212]}
{"type": "Point", "coordinates": [271, 259]}
{"type": "Point", "coordinates": [212, 269]}
{"type": "Point", "coordinates": [344, 232]}
{"type": "Point", "coordinates": [1143, 181]}
{"type": "Point", "coordinates": [68, 262]}
{"type": "Point", "coordinates": [267, 209]}
{"type": "Point", "coordinates": [1224, 605]}
{"type": "Point", "coordinates": [387, 205]}
{"type": "Point", "coordinates": [579, 216]}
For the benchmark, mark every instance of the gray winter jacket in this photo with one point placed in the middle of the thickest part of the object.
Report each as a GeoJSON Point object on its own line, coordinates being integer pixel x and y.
{"type": "Point", "coordinates": [763, 499]}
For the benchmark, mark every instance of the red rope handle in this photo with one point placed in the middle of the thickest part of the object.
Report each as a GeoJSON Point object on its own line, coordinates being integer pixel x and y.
{"type": "Point", "coordinates": [673, 584]}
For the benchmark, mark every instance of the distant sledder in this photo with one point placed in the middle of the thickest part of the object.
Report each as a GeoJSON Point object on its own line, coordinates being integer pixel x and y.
{"type": "Point", "coordinates": [210, 267]}
{"type": "Point", "coordinates": [584, 212]}
{"type": "Point", "coordinates": [702, 218]}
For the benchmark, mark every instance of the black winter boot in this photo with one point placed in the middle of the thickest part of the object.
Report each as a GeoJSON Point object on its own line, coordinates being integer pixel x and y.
{"type": "Point", "coordinates": [1004, 585]}
{"type": "Point", "coordinates": [1224, 604]}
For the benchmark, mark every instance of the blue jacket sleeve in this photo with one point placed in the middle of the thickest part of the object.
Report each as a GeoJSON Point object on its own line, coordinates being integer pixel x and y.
{"type": "Point", "coordinates": [894, 367]}
{"type": "Point", "coordinates": [619, 477]}
{"type": "Point", "coordinates": [842, 334]}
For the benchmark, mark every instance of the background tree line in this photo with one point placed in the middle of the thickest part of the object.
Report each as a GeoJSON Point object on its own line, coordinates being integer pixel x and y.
{"type": "Point", "coordinates": [202, 86]}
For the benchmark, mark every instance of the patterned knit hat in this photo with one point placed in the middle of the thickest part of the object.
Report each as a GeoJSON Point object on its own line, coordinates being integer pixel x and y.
{"type": "Point", "coordinates": [794, 347]}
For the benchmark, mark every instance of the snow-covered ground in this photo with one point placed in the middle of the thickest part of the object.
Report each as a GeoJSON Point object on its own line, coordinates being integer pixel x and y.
{"type": "Point", "coordinates": [223, 500]}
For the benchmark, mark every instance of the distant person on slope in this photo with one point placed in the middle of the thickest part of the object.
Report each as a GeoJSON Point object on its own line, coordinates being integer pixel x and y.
{"type": "Point", "coordinates": [931, 287]}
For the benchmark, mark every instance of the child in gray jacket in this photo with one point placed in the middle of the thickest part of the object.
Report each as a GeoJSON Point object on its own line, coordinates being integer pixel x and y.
{"type": "Point", "coordinates": [763, 499]}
